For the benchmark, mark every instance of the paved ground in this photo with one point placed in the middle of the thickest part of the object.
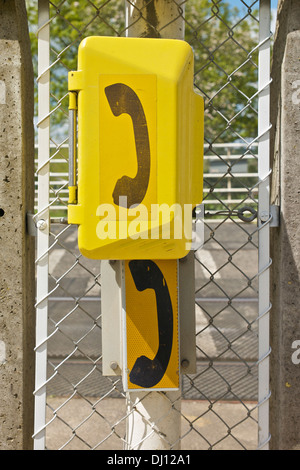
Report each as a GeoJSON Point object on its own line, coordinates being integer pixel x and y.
{"type": "Point", "coordinates": [207, 428]}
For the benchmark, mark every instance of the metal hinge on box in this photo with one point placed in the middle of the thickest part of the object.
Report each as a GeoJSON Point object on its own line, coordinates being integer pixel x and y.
{"type": "Point", "coordinates": [72, 147]}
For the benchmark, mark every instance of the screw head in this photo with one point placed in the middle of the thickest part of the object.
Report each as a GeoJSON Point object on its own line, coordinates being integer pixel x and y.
{"type": "Point", "coordinates": [264, 216]}
{"type": "Point", "coordinates": [185, 363]}
{"type": "Point", "coordinates": [114, 365]}
{"type": "Point", "coordinates": [41, 224]}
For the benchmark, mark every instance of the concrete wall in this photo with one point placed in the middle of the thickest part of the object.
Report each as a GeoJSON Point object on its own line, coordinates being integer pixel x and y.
{"type": "Point", "coordinates": [16, 246]}
{"type": "Point", "coordinates": [285, 240]}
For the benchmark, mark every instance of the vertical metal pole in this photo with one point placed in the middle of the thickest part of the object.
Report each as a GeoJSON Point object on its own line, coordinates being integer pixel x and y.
{"type": "Point", "coordinates": [42, 222]}
{"type": "Point", "coordinates": [263, 222]}
{"type": "Point", "coordinates": [154, 417]}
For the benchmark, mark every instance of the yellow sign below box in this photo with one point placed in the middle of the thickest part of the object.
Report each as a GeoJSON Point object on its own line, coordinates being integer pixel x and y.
{"type": "Point", "coordinates": [151, 346]}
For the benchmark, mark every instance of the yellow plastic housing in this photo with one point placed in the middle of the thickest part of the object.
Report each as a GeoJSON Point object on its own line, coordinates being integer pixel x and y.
{"type": "Point", "coordinates": [140, 148]}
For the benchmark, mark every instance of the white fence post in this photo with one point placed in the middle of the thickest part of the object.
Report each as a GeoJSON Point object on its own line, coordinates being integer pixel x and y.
{"type": "Point", "coordinates": [42, 222]}
{"type": "Point", "coordinates": [263, 223]}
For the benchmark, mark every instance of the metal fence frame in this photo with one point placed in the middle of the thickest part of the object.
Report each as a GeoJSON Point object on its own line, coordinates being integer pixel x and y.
{"type": "Point", "coordinates": [44, 205]}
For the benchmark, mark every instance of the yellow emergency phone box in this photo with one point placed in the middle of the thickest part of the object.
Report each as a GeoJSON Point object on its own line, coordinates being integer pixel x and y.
{"type": "Point", "coordinates": [140, 148]}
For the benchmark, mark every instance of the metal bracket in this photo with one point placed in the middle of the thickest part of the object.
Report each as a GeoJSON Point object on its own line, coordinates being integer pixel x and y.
{"type": "Point", "coordinates": [30, 225]}
{"type": "Point", "coordinates": [111, 310]}
{"type": "Point", "coordinates": [275, 215]}
{"type": "Point", "coordinates": [187, 314]}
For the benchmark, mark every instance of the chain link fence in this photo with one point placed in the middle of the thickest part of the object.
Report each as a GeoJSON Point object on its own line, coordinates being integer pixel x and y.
{"type": "Point", "coordinates": [76, 406]}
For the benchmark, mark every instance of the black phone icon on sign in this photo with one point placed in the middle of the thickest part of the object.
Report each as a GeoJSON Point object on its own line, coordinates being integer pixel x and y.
{"type": "Point", "coordinates": [147, 275]}
{"type": "Point", "coordinates": [122, 99]}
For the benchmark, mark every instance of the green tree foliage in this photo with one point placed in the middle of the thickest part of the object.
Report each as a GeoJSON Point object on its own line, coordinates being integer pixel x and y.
{"type": "Point", "coordinates": [70, 22]}
{"type": "Point", "coordinates": [225, 67]}
{"type": "Point", "coordinates": [222, 40]}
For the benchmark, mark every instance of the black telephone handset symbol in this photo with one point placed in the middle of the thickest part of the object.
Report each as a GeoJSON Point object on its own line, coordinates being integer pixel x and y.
{"type": "Point", "coordinates": [122, 99]}
{"type": "Point", "coordinates": [147, 275]}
